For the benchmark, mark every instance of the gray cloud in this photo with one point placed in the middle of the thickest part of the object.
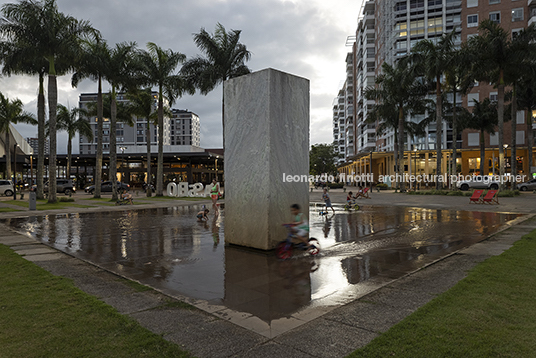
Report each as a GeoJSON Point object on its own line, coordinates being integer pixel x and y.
{"type": "Point", "coordinates": [302, 37]}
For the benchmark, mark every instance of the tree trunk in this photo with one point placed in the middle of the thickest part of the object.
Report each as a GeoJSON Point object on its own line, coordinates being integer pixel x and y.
{"type": "Point", "coordinates": [454, 167]}
{"type": "Point", "coordinates": [52, 107]}
{"type": "Point", "coordinates": [41, 137]}
{"type": "Point", "coordinates": [513, 169]}
{"type": "Point", "coordinates": [500, 113]}
{"type": "Point", "coordinates": [148, 187]}
{"type": "Point", "coordinates": [395, 151]}
{"type": "Point", "coordinates": [98, 162]}
{"type": "Point", "coordinates": [160, 164]}
{"type": "Point", "coordinates": [530, 140]}
{"type": "Point", "coordinates": [113, 144]}
{"type": "Point", "coordinates": [8, 155]}
{"type": "Point", "coordinates": [401, 148]}
{"type": "Point", "coordinates": [439, 132]}
{"type": "Point", "coordinates": [223, 118]}
{"type": "Point", "coordinates": [482, 152]}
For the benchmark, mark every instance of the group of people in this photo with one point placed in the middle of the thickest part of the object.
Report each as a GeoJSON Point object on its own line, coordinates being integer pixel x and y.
{"type": "Point", "coordinates": [350, 197]}
{"type": "Point", "coordinates": [214, 196]}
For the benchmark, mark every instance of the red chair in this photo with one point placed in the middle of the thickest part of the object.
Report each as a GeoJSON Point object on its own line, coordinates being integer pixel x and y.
{"type": "Point", "coordinates": [475, 198]}
{"type": "Point", "coordinates": [366, 193]}
{"type": "Point", "coordinates": [491, 197]}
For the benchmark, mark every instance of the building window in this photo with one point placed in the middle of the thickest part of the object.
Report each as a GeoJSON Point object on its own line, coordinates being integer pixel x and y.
{"type": "Point", "coordinates": [494, 139]}
{"type": "Point", "coordinates": [472, 139]}
{"type": "Point", "coordinates": [520, 137]}
{"type": "Point", "coordinates": [495, 16]}
{"type": "Point", "coordinates": [493, 96]}
{"type": "Point", "coordinates": [520, 117]}
{"type": "Point", "coordinates": [472, 20]}
{"type": "Point", "coordinates": [140, 139]}
{"type": "Point", "coordinates": [471, 97]}
{"type": "Point", "coordinates": [435, 2]}
{"type": "Point", "coordinates": [517, 14]}
{"type": "Point", "coordinates": [472, 3]}
{"type": "Point", "coordinates": [491, 2]}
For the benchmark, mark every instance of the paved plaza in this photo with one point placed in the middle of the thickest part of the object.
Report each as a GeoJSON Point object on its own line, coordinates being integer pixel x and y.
{"type": "Point", "coordinates": [320, 331]}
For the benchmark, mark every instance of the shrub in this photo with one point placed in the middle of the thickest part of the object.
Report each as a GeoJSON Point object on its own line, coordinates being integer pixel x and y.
{"type": "Point", "coordinates": [382, 186]}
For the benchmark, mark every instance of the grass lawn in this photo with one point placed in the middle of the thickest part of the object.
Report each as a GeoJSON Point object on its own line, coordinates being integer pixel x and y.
{"type": "Point", "coordinates": [171, 198]}
{"type": "Point", "coordinates": [7, 210]}
{"type": "Point", "coordinates": [46, 316]}
{"type": "Point", "coordinates": [490, 313]}
{"type": "Point", "coordinates": [42, 204]}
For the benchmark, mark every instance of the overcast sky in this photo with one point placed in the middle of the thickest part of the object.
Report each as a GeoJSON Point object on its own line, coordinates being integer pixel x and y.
{"type": "Point", "coordinates": [302, 37]}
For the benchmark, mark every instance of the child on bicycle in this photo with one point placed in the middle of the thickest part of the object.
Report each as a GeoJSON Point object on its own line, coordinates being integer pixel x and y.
{"type": "Point", "coordinates": [350, 200]}
{"type": "Point", "coordinates": [300, 224]}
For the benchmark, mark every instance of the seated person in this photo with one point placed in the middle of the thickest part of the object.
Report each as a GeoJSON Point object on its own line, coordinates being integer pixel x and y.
{"type": "Point", "coordinates": [359, 193]}
{"type": "Point", "coordinates": [126, 196]}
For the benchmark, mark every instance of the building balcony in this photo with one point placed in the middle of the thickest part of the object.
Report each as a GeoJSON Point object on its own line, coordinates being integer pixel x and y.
{"type": "Point", "coordinates": [532, 3]}
{"type": "Point", "coordinates": [532, 20]}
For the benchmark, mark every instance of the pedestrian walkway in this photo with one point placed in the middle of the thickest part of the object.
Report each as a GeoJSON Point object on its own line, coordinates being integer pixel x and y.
{"type": "Point", "coordinates": [333, 334]}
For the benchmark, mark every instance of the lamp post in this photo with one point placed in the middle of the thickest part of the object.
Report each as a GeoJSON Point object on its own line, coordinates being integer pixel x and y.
{"type": "Point", "coordinates": [122, 160]}
{"type": "Point", "coordinates": [15, 171]}
{"type": "Point", "coordinates": [415, 167]}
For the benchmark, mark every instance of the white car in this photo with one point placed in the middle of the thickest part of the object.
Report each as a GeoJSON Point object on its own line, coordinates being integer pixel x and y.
{"type": "Point", "coordinates": [479, 182]}
{"type": "Point", "coordinates": [6, 187]}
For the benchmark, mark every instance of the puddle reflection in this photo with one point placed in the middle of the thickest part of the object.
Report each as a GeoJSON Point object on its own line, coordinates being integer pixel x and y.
{"type": "Point", "coordinates": [168, 249]}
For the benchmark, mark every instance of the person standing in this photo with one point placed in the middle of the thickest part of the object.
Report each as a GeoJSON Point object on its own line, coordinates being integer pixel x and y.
{"type": "Point", "coordinates": [214, 194]}
{"type": "Point", "coordinates": [327, 201]}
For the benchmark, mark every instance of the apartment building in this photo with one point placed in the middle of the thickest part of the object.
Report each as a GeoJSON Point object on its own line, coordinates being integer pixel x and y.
{"type": "Point", "coordinates": [34, 143]}
{"type": "Point", "coordinates": [181, 131]}
{"type": "Point", "coordinates": [388, 30]}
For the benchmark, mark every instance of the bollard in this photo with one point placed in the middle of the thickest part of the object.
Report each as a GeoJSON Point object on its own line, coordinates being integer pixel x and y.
{"type": "Point", "coordinates": [21, 196]}
{"type": "Point", "coordinates": [33, 200]}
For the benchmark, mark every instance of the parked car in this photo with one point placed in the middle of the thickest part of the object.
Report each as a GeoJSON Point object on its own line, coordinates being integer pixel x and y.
{"type": "Point", "coordinates": [6, 187]}
{"type": "Point", "coordinates": [106, 186]}
{"type": "Point", "coordinates": [65, 186]}
{"type": "Point", "coordinates": [478, 182]}
{"type": "Point", "coordinates": [529, 185]}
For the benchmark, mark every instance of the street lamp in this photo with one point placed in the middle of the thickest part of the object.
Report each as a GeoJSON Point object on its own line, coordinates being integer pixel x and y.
{"type": "Point", "coordinates": [15, 171]}
{"type": "Point", "coordinates": [122, 160]}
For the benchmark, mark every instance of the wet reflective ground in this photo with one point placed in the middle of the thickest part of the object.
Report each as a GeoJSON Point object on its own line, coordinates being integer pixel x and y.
{"type": "Point", "coordinates": [168, 249]}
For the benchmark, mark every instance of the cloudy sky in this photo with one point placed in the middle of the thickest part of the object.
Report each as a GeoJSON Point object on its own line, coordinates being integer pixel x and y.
{"type": "Point", "coordinates": [302, 37]}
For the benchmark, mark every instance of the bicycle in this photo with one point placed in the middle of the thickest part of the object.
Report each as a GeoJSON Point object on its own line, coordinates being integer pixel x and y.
{"type": "Point", "coordinates": [351, 206]}
{"type": "Point", "coordinates": [284, 250]}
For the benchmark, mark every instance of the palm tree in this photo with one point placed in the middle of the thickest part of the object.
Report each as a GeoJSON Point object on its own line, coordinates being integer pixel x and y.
{"type": "Point", "coordinates": [11, 112]}
{"type": "Point", "coordinates": [225, 58]}
{"type": "Point", "coordinates": [484, 119]}
{"type": "Point", "coordinates": [21, 58]}
{"type": "Point", "coordinates": [526, 100]}
{"type": "Point", "coordinates": [93, 64]}
{"type": "Point", "coordinates": [141, 105]}
{"type": "Point", "coordinates": [496, 59]}
{"type": "Point", "coordinates": [120, 74]}
{"type": "Point", "coordinates": [458, 80]}
{"type": "Point", "coordinates": [73, 121]}
{"type": "Point", "coordinates": [53, 35]}
{"type": "Point", "coordinates": [158, 67]}
{"type": "Point", "coordinates": [432, 59]}
{"type": "Point", "coordinates": [398, 94]}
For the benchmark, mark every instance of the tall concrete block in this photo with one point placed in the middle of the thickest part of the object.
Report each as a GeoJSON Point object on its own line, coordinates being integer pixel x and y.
{"type": "Point", "coordinates": [266, 137]}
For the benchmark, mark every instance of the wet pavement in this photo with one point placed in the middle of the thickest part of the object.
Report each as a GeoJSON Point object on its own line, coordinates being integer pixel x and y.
{"type": "Point", "coordinates": [167, 249]}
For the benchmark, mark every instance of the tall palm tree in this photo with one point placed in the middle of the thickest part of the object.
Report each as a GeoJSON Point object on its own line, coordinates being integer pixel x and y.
{"type": "Point", "coordinates": [526, 100]}
{"type": "Point", "coordinates": [398, 94]}
{"type": "Point", "coordinates": [72, 121]}
{"type": "Point", "coordinates": [495, 60]}
{"type": "Point", "coordinates": [20, 58]}
{"type": "Point", "coordinates": [225, 58]}
{"type": "Point", "coordinates": [432, 59]}
{"type": "Point", "coordinates": [459, 80]}
{"type": "Point", "coordinates": [93, 64]}
{"type": "Point", "coordinates": [484, 119]}
{"type": "Point", "coordinates": [158, 69]}
{"type": "Point", "coordinates": [53, 35]}
{"type": "Point", "coordinates": [141, 105]}
{"type": "Point", "coordinates": [12, 112]}
{"type": "Point", "coordinates": [120, 74]}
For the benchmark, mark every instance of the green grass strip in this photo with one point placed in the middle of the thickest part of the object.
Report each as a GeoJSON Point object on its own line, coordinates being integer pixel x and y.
{"type": "Point", "coordinates": [42, 315]}
{"type": "Point", "coordinates": [490, 313]}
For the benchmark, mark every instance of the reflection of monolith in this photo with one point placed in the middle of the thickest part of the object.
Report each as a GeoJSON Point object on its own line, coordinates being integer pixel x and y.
{"type": "Point", "coordinates": [266, 138]}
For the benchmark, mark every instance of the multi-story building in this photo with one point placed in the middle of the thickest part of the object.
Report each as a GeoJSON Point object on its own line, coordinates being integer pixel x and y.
{"type": "Point", "coordinates": [185, 128]}
{"type": "Point", "coordinates": [34, 143]}
{"type": "Point", "coordinates": [181, 131]}
{"type": "Point", "coordinates": [339, 131]}
{"type": "Point", "coordinates": [388, 30]}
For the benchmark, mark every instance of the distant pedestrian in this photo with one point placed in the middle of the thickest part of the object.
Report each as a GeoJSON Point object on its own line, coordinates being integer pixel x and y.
{"type": "Point", "coordinates": [327, 200]}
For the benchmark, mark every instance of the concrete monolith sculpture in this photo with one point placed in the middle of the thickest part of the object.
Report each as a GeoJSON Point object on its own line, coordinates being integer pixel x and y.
{"type": "Point", "coordinates": [266, 140]}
